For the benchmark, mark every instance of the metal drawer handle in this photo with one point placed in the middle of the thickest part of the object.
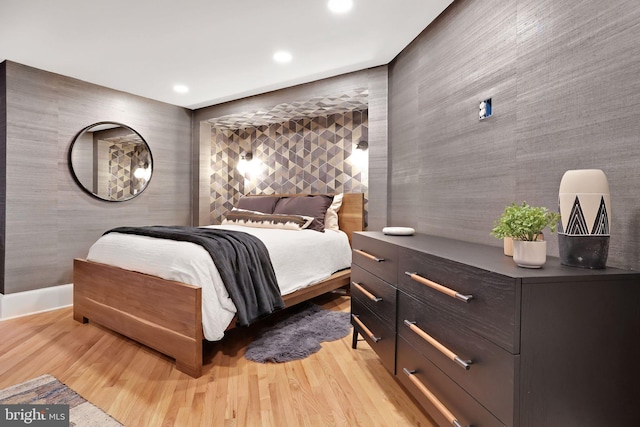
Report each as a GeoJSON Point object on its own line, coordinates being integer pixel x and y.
{"type": "Point", "coordinates": [438, 287]}
{"type": "Point", "coordinates": [365, 329]}
{"type": "Point", "coordinates": [432, 398]}
{"type": "Point", "coordinates": [366, 293]}
{"type": "Point", "coordinates": [366, 255]}
{"type": "Point", "coordinates": [466, 364]}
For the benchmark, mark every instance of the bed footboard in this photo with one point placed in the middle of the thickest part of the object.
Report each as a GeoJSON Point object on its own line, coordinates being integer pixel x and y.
{"type": "Point", "coordinates": [158, 313]}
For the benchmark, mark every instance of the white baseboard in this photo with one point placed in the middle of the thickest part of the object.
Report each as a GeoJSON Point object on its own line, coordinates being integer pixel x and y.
{"type": "Point", "coordinates": [35, 301]}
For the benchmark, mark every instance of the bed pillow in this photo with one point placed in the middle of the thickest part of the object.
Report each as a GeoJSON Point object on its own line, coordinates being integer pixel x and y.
{"type": "Point", "coordinates": [262, 220]}
{"type": "Point", "coordinates": [315, 206]}
{"type": "Point", "coordinates": [264, 204]}
{"type": "Point", "coordinates": [331, 217]}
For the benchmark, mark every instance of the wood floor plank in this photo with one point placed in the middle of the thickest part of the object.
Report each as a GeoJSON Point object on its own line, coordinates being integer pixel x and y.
{"type": "Point", "coordinates": [337, 386]}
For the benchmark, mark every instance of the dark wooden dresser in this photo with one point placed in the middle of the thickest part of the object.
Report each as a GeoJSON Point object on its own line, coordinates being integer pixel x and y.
{"type": "Point", "coordinates": [478, 341]}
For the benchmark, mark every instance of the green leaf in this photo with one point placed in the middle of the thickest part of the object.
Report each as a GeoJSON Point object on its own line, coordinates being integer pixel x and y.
{"type": "Point", "coordinates": [524, 222]}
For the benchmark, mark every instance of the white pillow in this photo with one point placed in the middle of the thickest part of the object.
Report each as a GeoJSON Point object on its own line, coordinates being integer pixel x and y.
{"type": "Point", "coordinates": [331, 217]}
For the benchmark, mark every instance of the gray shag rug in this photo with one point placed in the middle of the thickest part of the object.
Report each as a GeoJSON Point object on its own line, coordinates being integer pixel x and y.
{"type": "Point", "coordinates": [299, 336]}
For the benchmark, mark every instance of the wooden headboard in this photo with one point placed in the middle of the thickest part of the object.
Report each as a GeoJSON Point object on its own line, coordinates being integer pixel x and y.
{"type": "Point", "coordinates": [350, 215]}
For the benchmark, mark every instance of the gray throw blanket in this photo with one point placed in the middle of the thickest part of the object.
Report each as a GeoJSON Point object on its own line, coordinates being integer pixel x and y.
{"type": "Point", "coordinates": [242, 260]}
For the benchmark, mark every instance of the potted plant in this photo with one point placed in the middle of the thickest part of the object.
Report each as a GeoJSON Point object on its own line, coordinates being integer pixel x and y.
{"type": "Point", "coordinates": [524, 224]}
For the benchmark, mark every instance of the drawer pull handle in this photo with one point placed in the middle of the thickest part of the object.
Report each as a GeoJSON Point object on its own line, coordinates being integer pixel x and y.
{"type": "Point", "coordinates": [466, 364]}
{"type": "Point", "coordinates": [366, 293]}
{"type": "Point", "coordinates": [366, 255]}
{"type": "Point", "coordinates": [365, 329]}
{"type": "Point", "coordinates": [432, 398]}
{"type": "Point", "coordinates": [438, 287]}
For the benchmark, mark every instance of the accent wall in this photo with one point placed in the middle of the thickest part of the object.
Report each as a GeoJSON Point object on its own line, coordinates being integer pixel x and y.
{"type": "Point", "coordinates": [310, 155]}
{"type": "Point", "coordinates": [217, 174]}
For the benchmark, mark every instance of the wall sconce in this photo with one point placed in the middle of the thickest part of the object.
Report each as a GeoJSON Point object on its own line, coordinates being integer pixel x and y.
{"type": "Point", "coordinates": [359, 156]}
{"type": "Point", "coordinates": [139, 173]}
{"type": "Point", "coordinates": [143, 172]}
{"type": "Point", "coordinates": [244, 163]}
{"type": "Point", "coordinates": [362, 145]}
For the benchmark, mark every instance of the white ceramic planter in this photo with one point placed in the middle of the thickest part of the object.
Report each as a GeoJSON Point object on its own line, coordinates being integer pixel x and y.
{"type": "Point", "coordinates": [529, 254]}
{"type": "Point", "coordinates": [508, 246]}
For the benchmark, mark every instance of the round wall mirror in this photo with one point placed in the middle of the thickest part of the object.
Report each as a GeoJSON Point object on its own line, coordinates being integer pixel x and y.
{"type": "Point", "coordinates": [110, 161]}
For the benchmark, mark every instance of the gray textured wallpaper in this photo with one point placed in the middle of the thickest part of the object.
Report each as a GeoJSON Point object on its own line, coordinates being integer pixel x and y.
{"type": "Point", "coordinates": [564, 79]}
{"type": "Point", "coordinates": [49, 219]}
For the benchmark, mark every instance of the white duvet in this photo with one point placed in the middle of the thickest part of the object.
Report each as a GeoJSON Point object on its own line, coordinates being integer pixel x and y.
{"type": "Point", "coordinates": [299, 257]}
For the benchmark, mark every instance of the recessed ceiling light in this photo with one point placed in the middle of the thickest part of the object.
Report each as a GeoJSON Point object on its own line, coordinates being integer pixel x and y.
{"type": "Point", "coordinates": [181, 88]}
{"type": "Point", "coordinates": [282, 56]}
{"type": "Point", "coordinates": [340, 6]}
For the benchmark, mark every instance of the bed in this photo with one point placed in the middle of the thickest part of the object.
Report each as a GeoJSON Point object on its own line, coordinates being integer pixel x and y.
{"type": "Point", "coordinates": [166, 315]}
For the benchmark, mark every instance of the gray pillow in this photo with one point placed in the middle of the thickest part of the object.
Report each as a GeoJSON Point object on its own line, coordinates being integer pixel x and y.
{"type": "Point", "coordinates": [315, 206]}
{"type": "Point", "coordinates": [264, 204]}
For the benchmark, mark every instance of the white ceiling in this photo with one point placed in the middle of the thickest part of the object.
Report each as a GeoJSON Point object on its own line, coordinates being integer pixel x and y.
{"type": "Point", "coordinates": [222, 50]}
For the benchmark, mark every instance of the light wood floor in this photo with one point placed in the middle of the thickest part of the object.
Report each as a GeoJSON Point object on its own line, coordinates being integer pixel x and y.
{"type": "Point", "coordinates": [337, 386]}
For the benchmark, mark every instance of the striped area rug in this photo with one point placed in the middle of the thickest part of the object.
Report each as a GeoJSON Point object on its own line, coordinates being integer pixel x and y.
{"type": "Point", "coordinates": [47, 390]}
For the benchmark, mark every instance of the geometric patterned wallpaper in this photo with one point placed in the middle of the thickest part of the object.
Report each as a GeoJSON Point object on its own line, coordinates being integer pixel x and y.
{"type": "Point", "coordinates": [307, 155]}
{"type": "Point", "coordinates": [319, 106]}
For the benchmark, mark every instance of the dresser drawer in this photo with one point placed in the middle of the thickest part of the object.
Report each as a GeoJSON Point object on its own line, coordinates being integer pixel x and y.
{"type": "Point", "coordinates": [491, 309]}
{"type": "Point", "coordinates": [483, 369]}
{"type": "Point", "coordinates": [375, 293]}
{"type": "Point", "coordinates": [380, 335]}
{"type": "Point", "coordinates": [378, 257]}
{"type": "Point", "coordinates": [450, 397]}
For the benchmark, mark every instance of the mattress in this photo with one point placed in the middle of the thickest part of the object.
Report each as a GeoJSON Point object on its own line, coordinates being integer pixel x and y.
{"type": "Point", "coordinates": [300, 258]}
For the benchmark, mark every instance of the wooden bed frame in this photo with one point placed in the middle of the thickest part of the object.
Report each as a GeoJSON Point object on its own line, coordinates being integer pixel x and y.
{"type": "Point", "coordinates": [167, 315]}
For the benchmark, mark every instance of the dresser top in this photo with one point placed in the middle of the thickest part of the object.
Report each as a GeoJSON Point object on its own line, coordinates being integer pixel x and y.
{"type": "Point", "coordinates": [490, 258]}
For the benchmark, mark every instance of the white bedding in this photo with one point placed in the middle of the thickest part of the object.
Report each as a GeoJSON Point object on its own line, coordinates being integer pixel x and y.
{"type": "Point", "coordinates": [299, 258]}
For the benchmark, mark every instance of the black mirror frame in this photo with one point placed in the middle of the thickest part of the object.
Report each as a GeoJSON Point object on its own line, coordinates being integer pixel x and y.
{"type": "Point", "coordinates": [85, 189]}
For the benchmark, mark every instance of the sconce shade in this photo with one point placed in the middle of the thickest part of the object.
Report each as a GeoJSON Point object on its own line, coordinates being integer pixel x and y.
{"type": "Point", "coordinates": [245, 165]}
{"type": "Point", "coordinates": [362, 145]}
{"type": "Point", "coordinates": [139, 173]}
